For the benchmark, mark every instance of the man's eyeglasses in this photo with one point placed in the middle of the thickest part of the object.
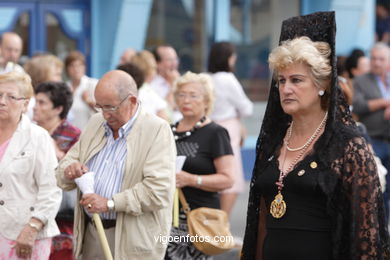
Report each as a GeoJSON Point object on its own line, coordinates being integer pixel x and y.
{"type": "Point", "coordinates": [109, 108]}
{"type": "Point", "coordinates": [11, 98]}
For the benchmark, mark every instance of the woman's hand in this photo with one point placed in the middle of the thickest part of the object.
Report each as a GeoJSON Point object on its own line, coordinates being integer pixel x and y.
{"type": "Point", "coordinates": [25, 242]}
{"type": "Point", "coordinates": [185, 179]}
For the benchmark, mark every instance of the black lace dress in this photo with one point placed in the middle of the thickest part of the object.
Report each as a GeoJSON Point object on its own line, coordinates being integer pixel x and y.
{"type": "Point", "coordinates": [346, 185]}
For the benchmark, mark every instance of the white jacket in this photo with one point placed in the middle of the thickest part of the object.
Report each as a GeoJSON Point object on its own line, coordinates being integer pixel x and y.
{"type": "Point", "coordinates": [28, 185]}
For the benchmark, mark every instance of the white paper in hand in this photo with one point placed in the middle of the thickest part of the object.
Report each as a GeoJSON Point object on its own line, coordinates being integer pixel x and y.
{"type": "Point", "coordinates": [180, 162]}
{"type": "Point", "coordinates": [86, 182]}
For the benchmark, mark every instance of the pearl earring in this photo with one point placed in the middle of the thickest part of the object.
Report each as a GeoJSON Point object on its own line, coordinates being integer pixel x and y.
{"type": "Point", "coordinates": [321, 93]}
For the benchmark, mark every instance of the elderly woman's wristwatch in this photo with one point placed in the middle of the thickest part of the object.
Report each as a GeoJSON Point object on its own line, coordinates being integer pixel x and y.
{"type": "Point", "coordinates": [35, 226]}
{"type": "Point", "coordinates": [110, 205]}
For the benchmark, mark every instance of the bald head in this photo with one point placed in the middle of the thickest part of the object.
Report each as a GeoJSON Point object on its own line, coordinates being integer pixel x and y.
{"type": "Point", "coordinates": [116, 97]}
{"type": "Point", "coordinates": [11, 47]}
{"type": "Point", "coordinates": [119, 81]}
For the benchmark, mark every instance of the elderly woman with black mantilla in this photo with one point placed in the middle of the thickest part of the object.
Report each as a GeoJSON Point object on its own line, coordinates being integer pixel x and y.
{"type": "Point", "coordinates": [315, 191]}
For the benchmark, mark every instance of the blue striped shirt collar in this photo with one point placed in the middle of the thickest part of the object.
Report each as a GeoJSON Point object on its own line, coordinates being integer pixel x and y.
{"type": "Point", "coordinates": [125, 129]}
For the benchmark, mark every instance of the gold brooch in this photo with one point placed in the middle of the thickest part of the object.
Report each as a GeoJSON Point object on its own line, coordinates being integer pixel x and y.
{"type": "Point", "coordinates": [313, 165]}
{"type": "Point", "coordinates": [301, 172]}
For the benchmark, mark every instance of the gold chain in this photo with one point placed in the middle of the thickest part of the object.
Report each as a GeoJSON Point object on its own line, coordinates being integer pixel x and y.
{"type": "Point", "coordinates": [278, 206]}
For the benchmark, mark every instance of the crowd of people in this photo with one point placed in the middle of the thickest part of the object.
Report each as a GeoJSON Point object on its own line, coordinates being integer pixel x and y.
{"type": "Point", "coordinates": [316, 180]}
{"type": "Point", "coordinates": [127, 128]}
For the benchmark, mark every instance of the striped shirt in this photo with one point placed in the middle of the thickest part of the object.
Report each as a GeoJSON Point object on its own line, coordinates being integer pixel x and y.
{"type": "Point", "coordinates": [108, 164]}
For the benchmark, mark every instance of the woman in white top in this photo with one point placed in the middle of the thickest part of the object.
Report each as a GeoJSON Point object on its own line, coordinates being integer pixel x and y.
{"type": "Point", "coordinates": [151, 101]}
{"type": "Point", "coordinates": [83, 88]}
{"type": "Point", "coordinates": [231, 104]}
{"type": "Point", "coordinates": [29, 196]}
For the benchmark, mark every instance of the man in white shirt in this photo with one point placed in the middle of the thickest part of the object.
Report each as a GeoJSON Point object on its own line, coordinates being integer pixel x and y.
{"type": "Point", "coordinates": [10, 49]}
{"type": "Point", "coordinates": [167, 73]}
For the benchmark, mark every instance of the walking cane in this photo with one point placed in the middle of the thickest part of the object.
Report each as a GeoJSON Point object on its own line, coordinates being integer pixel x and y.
{"type": "Point", "coordinates": [86, 184]}
{"type": "Point", "coordinates": [102, 236]}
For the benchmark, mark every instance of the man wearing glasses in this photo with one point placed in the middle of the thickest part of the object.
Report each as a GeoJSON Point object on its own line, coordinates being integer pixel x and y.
{"type": "Point", "coordinates": [133, 156]}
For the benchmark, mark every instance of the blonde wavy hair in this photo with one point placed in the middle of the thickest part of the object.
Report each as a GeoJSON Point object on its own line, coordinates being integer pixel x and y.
{"type": "Point", "coordinates": [40, 66]}
{"type": "Point", "coordinates": [21, 79]}
{"type": "Point", "coordinates": [146, 62]}
{"type": "Point", "coordinates": [313, 54]}
{"type": "Point", "coordinates": [204, 81]}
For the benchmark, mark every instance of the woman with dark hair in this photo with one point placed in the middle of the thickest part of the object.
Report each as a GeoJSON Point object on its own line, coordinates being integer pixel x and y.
{"type": "Point", "coordinates": [53, 101]}
{"type": "Point", "coordinates": [357, 63]}
{"type": "Point", "coordinates": [315, 191]}
{"type": "Point", "coordinates": [82, 87]}
{"type": "Point", "coordinates": [231, 104]}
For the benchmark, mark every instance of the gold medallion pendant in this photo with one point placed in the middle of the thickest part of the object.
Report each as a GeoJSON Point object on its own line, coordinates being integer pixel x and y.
{"type": "Point", "coordinates": [278, 206]}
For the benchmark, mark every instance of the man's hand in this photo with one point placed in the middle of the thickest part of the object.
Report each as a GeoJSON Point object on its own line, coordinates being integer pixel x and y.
{"type": "Point", "coordinates": [94, 203]}
{"type": "Point", "coordinates": [171, 76]}
{"type": "Point", "coordinates": [386, 114]}
{"type": "Point", "coordinates": [75, 170]}
{"type": "Point", "coordinates": [86, 96]}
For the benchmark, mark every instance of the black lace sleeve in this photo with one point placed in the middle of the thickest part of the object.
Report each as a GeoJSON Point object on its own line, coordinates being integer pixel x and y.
{"type": "Point", "coordinates": [355, 203]}
{"type": "Point", "coordinates": [365, 230]}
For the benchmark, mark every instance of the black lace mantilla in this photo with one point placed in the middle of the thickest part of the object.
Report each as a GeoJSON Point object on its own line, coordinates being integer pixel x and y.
{"type": "Point", "coordinates": [350, 181]}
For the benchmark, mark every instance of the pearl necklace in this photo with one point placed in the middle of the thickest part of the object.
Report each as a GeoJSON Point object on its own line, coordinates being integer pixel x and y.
{"type": "Point", "coordinates": [179, 136]}
{"type": "Point", "coordinates": [278, 206]}
{"type": "Point", "coordinates": [308, 142]}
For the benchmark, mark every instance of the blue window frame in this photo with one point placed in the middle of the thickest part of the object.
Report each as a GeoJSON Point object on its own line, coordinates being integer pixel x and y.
{"type": "Point", "coordinates": [73, 19]}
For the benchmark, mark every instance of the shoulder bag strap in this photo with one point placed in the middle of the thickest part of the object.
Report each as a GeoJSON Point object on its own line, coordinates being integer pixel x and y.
{"type": "Point", "coordinates": [183, 202]}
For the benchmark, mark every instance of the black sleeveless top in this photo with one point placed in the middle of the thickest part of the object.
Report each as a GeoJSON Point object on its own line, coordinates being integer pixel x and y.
{"type": "Point", "coordinates": [306, 203]}
{"type": "Point", "coordinates": [304, 232]}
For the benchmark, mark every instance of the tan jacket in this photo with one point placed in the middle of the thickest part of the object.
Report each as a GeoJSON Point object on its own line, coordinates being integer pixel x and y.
{"type": "Point", "coordinates": [28, 185]}
{"type": "Point", "coordinates": [144, 205]}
